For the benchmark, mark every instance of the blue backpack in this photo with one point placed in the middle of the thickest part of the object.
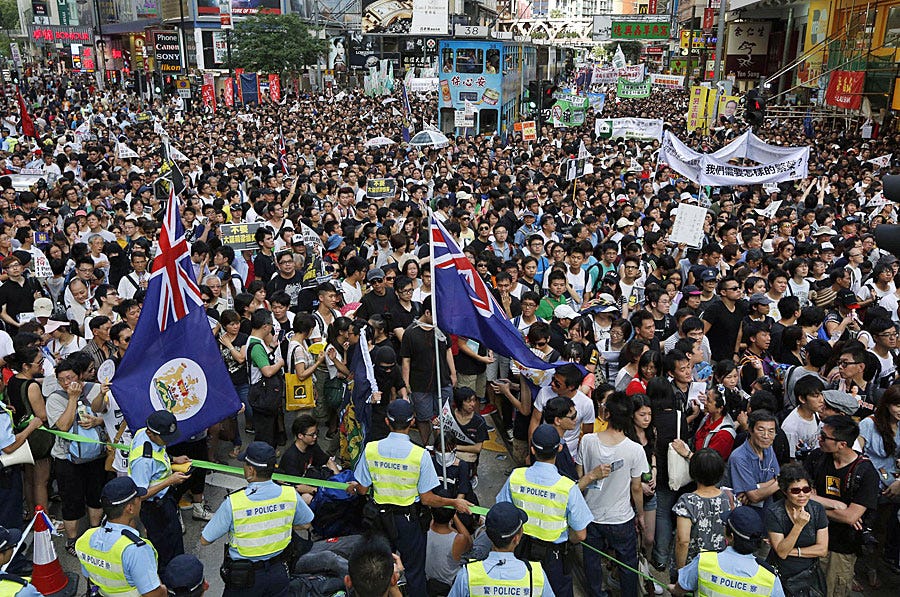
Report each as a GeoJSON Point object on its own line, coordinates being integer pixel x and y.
{"type": "Point", "coordinates": [337, 513]}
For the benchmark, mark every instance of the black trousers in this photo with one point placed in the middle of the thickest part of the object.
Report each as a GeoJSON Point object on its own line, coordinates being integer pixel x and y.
{"type": "Point", "coordinates": [160, 519]}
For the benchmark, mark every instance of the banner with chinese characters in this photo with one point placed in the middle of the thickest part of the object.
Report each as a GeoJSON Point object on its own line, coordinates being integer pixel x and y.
{"type": "Point", "coordinates": [229, 92]}
{"type": "Point", "coordinates": [569, 111]}
{"type": "Point", "coordinates": [611, 75]}
{"type": "Point", "coordinates": [626, 90]}
{"type": "Point", "coordinates": [275, 88]}
{"type": "Point", "coordinates": [667, 81]}
{"type": "Point", "coordinates": [208, 93]}
{"type": "Point", "coordinates": [697, 118]}
{"type": "Point", "coordinates": [644, 129]}
{"type": "Point", "coordinates": [747, 49]}
{"type": "Point", "coordinates": [240, 237]}
{"type": "Point", "coordinates": [845, 89]}
{"type": "Point", "coordinates": [716, 174]}
{"type": "Point", "coordinates": [636, 30]}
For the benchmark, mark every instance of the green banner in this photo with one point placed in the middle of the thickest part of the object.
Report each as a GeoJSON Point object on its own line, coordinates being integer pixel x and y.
{"type": "Point", "coordinates": [626, 90]}
{"type": "Point", "coordinates": [635, 30]}
{"type": "Point", "coordinates": [569, 111]}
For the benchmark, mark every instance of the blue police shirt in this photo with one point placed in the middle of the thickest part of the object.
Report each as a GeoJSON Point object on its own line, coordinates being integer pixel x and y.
{"type": "Point", "coordinates": [7, 437]}
{"type": "Point", "coordinates": [398, 445]}
{"type": "Point", "coordinates": [223, 522]}
{"type": "Point", "coordinates": [29, 591]}
{"type": "Point", "coordinates": [747, 470]}
{"type": "Point", "coordinates": [731, 562]}
{"type": "Point", "coordinates": [511, 568]}
{"type": "Point", "coordinates": [147, 471]}
{"type": "Point", "coordinates": [578, 514]}
{"type": "Point", "coordinates": [138, 561]}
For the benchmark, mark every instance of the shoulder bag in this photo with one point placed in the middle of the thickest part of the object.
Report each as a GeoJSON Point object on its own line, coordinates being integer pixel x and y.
{"type": "Point", "coordinates": [678, 466]}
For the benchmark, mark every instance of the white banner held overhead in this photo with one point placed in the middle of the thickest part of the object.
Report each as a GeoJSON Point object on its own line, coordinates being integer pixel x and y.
{"type": "Point", "coordinates": [688, 225]}
{"type": "Point", "coordinates": [667, 81]}
{"type": "Point", "coordinates": [430, 17]}
{"type": "Point", "coordinates": [629, 128]}
{"type": "Point", "coordinates": [883, 161]}
{"type": "Point", "coordinates": [715, 173]}
{"type": "Point", "coordinates": [123, 152]}
{"type": "Point", "coordinates": [618, 60]}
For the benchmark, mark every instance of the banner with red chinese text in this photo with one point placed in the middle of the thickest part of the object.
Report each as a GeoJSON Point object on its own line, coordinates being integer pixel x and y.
{"type": "Point", "coordinates": [845, 89]}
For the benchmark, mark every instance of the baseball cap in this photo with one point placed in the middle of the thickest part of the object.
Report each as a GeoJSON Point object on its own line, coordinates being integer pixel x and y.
{"type": "Point", "coordinates": [760, 299]}
{"type": "Point", "coordinates": [685, 197]}
{"type": "Point", "coordinates": [529, 214]}
{"type": "Point", "coordinates": [52, 325]}
{"type": "Point", "coordinates": [564, 312]}
{"type": "Point", "coordinates": [259, 454]}
{"type": "Point", "coordinates": [121, 490]}
{"type": "Point", "coordinates": [375, 274]}
{"type": "Point", "coordinates": [503, 521]}
{"type": "Point", "coordinates": [80, 212]}
{"type": "Point", "coordinates": [846, 298]}
{"type": "Point", "coordinates": [9, 538]}
{"type": "Point", "coordinates": [43, 307]}
{"type": "Point", "coordinates": [744, 522]}
{"type": "Point", "coordinates": [841, 401]}
{"type": "Point", "coordinates": [623, 223]}
{"type": "Point", "coordinates": [691, 290]}
{"type": "Point", "coordinates": [545, 438]}
{"type": "Point", "coordinates": [400, 411]}
{"type": "Point", "coordinates": [164, 424]}
{"type": "Point", "coordinates": [709, 274]}
{"type": "Point", "coordinates": [184, 574]}
{"type": "Point", "coordinates": [334, 241]}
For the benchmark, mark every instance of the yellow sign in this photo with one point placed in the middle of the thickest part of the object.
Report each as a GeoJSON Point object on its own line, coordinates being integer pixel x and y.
{"type": "Point", "coordinates": [728, 105]}
{"type": "Point", "coordinates": [698, 108]}
{"type": "Point", "coordinates": [529, 130]}
{"type": "Point", "coordinates": [182, 83]}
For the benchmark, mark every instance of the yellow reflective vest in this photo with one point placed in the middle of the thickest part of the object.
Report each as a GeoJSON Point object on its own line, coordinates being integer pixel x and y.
{"type": "Point", "coordinates": [395, 481]}
{"type": "Point", "coordinates": [263, 527]}
{"type": "Point", "coordinates": [160, 456]}
{"type": "Point", "coordinates": [544, 504]}
{"type": "Point", "coordinates": [712, 581]}
{"type": "Point", "coordinates": [482, 585]}
{"type": "Point", "coordinates": [105, 567]}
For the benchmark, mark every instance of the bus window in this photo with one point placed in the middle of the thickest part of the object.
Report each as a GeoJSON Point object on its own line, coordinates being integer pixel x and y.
{"type": "Point", "coordinates": [469, 60]}
{"type": "Point", "coordinates": [493, 62]}
{"type": "Point", "coordinates": [447, 60]}
{"type": "Point", "coordinates": [487, 121]}
{"type": "Point", "coordinates": [448, 121]}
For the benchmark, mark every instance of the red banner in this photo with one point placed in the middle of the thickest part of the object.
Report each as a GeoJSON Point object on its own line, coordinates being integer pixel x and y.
{"type": "Point", "coordinates": [275, 88]}
{"type": "Point", "coordinates": [709, 18]}
{"type": "Point", "coordinates": [229, 92]}
{"type": "Point", "coordinates": [27, 121]}
{"type": "Point", "coordinates": [208, 93]}
{"type": "Point", "coordinates": [845, 89]}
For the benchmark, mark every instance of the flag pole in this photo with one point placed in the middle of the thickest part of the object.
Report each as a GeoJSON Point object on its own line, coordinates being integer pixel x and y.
{"type": "Point", "coordinates": [437, 344]}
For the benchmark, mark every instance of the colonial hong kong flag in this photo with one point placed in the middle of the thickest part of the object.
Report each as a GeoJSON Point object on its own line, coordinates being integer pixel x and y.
{"type": "Point", "coordinates": [466, 307]}
{"type": "Point", "coordinates": [173, 361]}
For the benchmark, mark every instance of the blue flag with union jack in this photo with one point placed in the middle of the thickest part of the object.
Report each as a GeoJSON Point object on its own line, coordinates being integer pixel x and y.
{"type": "Point", "coordinates": [173, 362]}
{"type": "Point", "coordinates": [466, 307]}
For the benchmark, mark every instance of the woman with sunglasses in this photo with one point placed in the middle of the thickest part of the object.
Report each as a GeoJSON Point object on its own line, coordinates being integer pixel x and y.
{"type": "Point", "coordinates": [798, 533]}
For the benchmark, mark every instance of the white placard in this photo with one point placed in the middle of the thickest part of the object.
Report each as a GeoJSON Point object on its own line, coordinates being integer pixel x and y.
{"type": "Point", "coordinates": [462, 120]}
{"type": "Point", "coordinates": [106, 371]}
{"type": "Point", "coordinates": [688, 225]}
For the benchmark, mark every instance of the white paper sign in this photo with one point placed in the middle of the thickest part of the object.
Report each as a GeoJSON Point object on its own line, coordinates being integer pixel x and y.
{"type": "Point", "coordinates": [106, 371]}
{"type": "Point", "coordinates": [688, 225]}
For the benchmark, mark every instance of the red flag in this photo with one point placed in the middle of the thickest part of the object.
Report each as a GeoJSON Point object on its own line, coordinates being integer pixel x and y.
{"type": "Point", "coordinates": [208, 93]}
{"type": "Point", "coordinates": [845, 89]}
{"type": "Point", "coordinates": [275, 88]}
{"type": "Point", "coordinates": [229, 92]}
{"type": "Point", "coordinates": [27, 122]}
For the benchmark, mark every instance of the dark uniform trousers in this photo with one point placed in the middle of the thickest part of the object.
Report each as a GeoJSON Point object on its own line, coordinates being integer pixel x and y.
{"type": "Point", "coordinates": [270, 579]}
{"type": "Point", "coordinates": [160, 519]}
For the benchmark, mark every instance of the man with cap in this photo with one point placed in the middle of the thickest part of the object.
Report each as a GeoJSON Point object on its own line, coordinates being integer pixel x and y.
{"type": "Point", "coordinates": [10, 584]}
{"type": "Point", "coordinates": [501, 573]}
{"type": "Point", "coordinates": [151, 468]}
{"type": "Point", "coordinates": [736, 570]}
{"type": "Point", "coordinates": [402, 477]}
{"type": "Point", "coordinates": [184, 577]}
{"type": "Point", "coordinates": [260, 520]}
{"type": "Point", "coordinates": [555, 508]}
{"type": "Point", "coordinates": [113, 556]}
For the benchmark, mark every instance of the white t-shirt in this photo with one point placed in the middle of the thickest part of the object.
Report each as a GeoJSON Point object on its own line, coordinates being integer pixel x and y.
{"type": "Point", "coordinates": [112, 418]}
{"type": "Point", "coordinates": [800, 431]}
{"type": "Point", "coordinates": [584, 408]}
{"type": "Point", "coordinates": [352, 292]}
{"type": "Point", "coordinates": [610, 499]}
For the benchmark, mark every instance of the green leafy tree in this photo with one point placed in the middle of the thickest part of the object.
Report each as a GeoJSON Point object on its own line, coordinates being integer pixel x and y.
{"type": "Point", "coordinates": [631, 49]}
{"type": "Point", "coordinates": [275, 44]}
{"type": "Point", "coordinates": [9, 22]}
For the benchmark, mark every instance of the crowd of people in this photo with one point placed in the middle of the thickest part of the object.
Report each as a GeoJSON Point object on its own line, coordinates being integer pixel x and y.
{"type": "Point", "coordinates": [735, 398]}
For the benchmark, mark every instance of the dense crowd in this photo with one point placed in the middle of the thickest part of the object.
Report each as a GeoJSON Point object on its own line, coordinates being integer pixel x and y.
{"type": "Point", "coordinates": [763, 361]}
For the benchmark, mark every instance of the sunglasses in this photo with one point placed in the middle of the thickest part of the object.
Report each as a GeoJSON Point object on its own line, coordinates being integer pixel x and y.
{"type": "Point", "coordinates": [799, 490]}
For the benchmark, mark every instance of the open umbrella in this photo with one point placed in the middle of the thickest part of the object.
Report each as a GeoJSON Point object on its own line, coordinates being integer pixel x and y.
{"type": "Point", "coordinates": [429, 139]}
{"type": "Point", "coordinates": [379, 142]}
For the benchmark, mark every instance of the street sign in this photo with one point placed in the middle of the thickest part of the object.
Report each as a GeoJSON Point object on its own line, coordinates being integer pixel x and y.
{"type": "Point", "coordinates": [184, 93]}
{"type": "Point", "coordinates": [471, 31]}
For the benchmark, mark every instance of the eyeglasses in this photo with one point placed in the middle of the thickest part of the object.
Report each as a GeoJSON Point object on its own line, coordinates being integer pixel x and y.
{"type": "Point", "coordinates": [824, 437]}
{"type": "Point", "coordinates": [887, 335]}
{"type": "Point", "coordinates": [572, 417]}
{"type": "Point", "coordinates": [377, 281]}
{"type": "Point", "coordinates": [405, 290]}
{"type": "Point", "coordinates": [390, 278]}
{"type": "Point", "coordinates": [541, 344]}
{"type": "Point", "coordinates": [799, 490]}
{"type": "Point", "coordinates": [847, 363]}
{"type": "Point", "coordinates": [732, 289]}
{"type": "Point", "coordinates": [313, 434]}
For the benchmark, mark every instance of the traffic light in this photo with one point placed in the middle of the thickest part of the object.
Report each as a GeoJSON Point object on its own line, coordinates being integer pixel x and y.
{"type": "Point", "coordinates": [547, 91]}
{"type": "Point", "coordinates": [754, 108]}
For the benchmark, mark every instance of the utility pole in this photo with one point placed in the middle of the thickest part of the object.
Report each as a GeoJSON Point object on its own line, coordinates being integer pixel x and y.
{"type": "Point", "coordinates": [720, 42]}
{"type": "Point", "coordinates": [689, 70]}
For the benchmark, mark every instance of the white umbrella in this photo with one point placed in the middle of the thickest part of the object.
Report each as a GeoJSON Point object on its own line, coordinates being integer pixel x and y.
{"type": "Point", "coordinates": [379, 142]}
{"type": "Point", "coordinates": [430, 138]}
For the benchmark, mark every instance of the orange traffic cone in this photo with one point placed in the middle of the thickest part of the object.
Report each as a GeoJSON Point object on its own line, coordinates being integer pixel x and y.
{"type": "Point", "coordinates": [47, 576]}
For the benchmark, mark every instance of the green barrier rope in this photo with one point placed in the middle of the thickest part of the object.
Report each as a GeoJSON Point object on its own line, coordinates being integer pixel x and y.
{"type": "Point", "coordinates": [234, 470]}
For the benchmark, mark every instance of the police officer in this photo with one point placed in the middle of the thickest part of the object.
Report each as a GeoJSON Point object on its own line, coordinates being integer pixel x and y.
{"type": "Point", "coordinates": [184, 577]}
{"type": "Point", "coordinates": [557, 512]}
{"type": "Point", "coordinates": [11, 502]}
{"type": "Point", "coordinates": [10, 584]}
{"type": "Point", "coordinates": [260, 519]}
{"type": "Point", "coordinates": [735, 571]}
{"type": "Point", "coordinates": [113, 557]}
{"type": "Point", "coordinates": [402, 477]}
{"type": "Point", "coordinates": [501, 573]}
{"type": "Point", "coordinates": [150, 467]}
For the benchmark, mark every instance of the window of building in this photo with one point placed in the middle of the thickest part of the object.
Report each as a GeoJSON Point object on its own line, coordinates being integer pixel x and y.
{"type": "Point", "coordinates": [470, 60]}
{"type": "Point", "coordinates": [892, 28]}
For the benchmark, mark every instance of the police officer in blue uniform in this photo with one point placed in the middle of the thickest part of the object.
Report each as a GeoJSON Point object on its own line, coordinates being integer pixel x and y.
{"type": "Point", "coordinates": [10, 584]}
{"type": "Point", "coordinates": [260, 520]}
{"type": "Point", "coordinates": [735, 571]}
{"type": "Point", "coordinates": [557, 512]}
{"type": "Point", "coordinates": [501, 573]}
{"type": "Point", "coordinates": [113, 557]}
{"type": "Point", "coordinates": [401, 476]}
{"type": "Point", "coordinates": [184, 577]}
{"type": "Point", "coordinates": [151, 469]}
{"type": "Point", "coordinates": [11, 501]}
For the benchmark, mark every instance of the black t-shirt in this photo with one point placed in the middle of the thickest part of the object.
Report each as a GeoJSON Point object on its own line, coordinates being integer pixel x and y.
{"type": "Point", "coordinates": [665, 327]}
{"type": "Point", "coordinates": [727, 325]}
{"type": "Point", "coordinates": [292, 286]}
{"type": "Point", "coordinates": [264, 267]}
{"type": "Point", "coordinates": [237, 371]}
{"type": "Point", "coordinates": [778, 521]}
{"type": "Point", "coordinates": [401, 318]}
{"type": "Point", "coordinates": [466, 365]}
{"type": "Point", "coordinates": [418, 347]}
{"type": "Point", "coordinates": [856, 483]}
{"type": "Point", "coordinates": [18, 298]}
{"type": "Point", "coordinates": [372, 304]}
{"type": "Point", "coordinates": [297, 463]}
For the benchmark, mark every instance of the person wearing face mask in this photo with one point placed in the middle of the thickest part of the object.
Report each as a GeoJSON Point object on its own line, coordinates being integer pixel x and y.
{"type": "Point", "coordinates": [390, 387]}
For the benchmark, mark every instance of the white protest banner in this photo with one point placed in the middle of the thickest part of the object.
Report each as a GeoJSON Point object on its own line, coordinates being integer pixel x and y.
{"type": "Point", "coordinates": [463, 119]}
{"type": "Point", "coordinates": [883, 161]}
{"type": "Point", "coordinates": [123, 152]}
{"type": "Point", "coordinates": [688, 225]}
{"type": "Point", "coordinates": [716, 173]}
{"type": "Point", "coordinates": [610, 75]}
{"type": "Point", "coordinates": [618, 60]}
{"type": "Point", "coordinates": [770, 211]}
{"type": "Point", "coordinates": [422, 84]}
{"type": "Point", "coordinates": [667, 81]}
{"type": "Point", "coordinates": [629, 128]}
